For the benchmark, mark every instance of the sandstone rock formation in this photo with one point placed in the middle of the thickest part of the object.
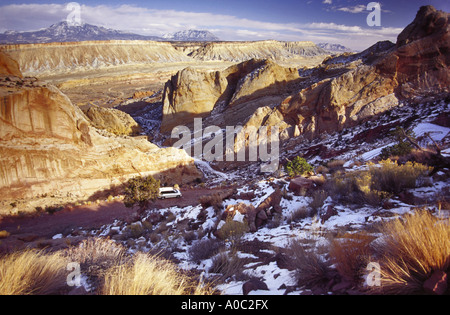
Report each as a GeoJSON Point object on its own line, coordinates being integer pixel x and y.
{"type": "Point", "coordinates": [9, 66]}
{"type": "Point", "coordinates": [54, 58]}
{"type": "Point", "coordinates": [49, 147]}
{"type": "Point", "coordinates": [423, 55]}
{"type": "Point", "coordinates": [112, 120]}
{"type": "Point", "coordinates": [418, 67]}
{"type": "Point", "coordinates": [229, 96]}
{"type": "Point", "coordinates": [59, 58]}
{"type": "Point", "coordinates": [268, 49]}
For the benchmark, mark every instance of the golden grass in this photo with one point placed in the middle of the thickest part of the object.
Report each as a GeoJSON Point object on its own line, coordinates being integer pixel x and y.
{"type": "Point", "coordinates": [412, 248]}
{"type": "Point", "coordinates": [150, 275]}
{"type": "Point", "coordinates": [32, 272]}
{"type": "Point", "coordinates": [350, 254]}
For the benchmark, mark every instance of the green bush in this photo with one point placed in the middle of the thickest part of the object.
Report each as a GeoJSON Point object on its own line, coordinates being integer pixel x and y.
{"type": "Point", "coordinates": [401, 148]}
{"type": "Point", "coordinates": [140, 190]}
{"type": "Point", "coordinates": [298, 166]}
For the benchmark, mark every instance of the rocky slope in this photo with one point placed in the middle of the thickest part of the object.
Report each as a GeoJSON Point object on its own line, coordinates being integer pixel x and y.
{"type": "Point", "coordinates": [49, 147]}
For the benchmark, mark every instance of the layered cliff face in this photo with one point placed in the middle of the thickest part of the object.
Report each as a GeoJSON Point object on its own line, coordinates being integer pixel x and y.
{"type": "Point", "coordinates": [59, 58]}
{"type": "Point", "coordinates": [234, 93]}
{"type": "Point", "coordinates": [48, 146]}
{"type": "Point", "coordinates": [8, 66]}
{"type": "Point", "coordinates": [54, 58]}
{"type": "Point", "coordinates": [269, 49]}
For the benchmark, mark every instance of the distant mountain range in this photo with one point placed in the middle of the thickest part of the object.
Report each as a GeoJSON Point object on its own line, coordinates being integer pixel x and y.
{"type": "Point", "coordinates": [192, 35]}
{"type": "Point", "coordinates": [334, 48]}
{"type": "Point", "coordinates": [63, 32]}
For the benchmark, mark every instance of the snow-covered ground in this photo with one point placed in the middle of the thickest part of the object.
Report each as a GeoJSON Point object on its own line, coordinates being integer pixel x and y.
{"type": "Point", "coordinates": [181, 228]}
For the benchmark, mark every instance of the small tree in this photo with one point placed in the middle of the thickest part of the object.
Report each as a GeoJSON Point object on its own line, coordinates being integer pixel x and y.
{"type": "Point", "coordinates": [140, 191]}
{"type": "Point", "coordinates": [403, 145]}
{"type": "Point", "coordinates": [298, 166]}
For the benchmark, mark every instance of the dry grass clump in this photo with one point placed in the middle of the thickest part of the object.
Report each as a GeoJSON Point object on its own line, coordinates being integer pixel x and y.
{"type": "Point", "coordinates": [150, 275]}
{"type": "Point", "coordinates": [413, 248]}
{"type": "Point", "coordinates": [350, 254]}
{"type": "Point", "coordinates": [32, 272]}
{"type": "Point", "coordinates": [228, 264]}
{"type": "Point", "coordinates": [116, 273]}
{"type": "Point", "coordinates": [310, 268]}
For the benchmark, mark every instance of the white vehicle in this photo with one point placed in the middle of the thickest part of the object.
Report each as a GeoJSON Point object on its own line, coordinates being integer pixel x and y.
{"type": "Point", "coordinates": [169, 192]}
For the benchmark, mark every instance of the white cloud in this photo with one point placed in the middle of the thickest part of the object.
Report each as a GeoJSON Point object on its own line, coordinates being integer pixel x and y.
{"type": "Point", "coordinates": [158, 22]}
{"type": "Point", "coordinates": [354, 9]}
{"type": "Point", "coordinates": [327, 2]}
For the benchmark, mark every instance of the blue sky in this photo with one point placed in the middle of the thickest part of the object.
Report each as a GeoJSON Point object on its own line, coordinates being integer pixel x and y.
{"type": "Point", "coordinates": [335, 21]}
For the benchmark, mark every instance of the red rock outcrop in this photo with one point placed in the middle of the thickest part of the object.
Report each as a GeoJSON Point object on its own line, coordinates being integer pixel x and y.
{"type": "Point", "coordinates": [418, 67]}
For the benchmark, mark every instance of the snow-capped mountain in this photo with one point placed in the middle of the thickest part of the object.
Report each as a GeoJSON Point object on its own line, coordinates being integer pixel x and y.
{"type": "Point", "coordinates": [334, 48]}
{"type": "Point", "coordinates": [192, 35]}
{"type": "Point", "coordinates": [63, 32]}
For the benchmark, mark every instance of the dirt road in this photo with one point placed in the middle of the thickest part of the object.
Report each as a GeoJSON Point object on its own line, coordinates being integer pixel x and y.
{"type": "Point", "coordinates": [44, 227]}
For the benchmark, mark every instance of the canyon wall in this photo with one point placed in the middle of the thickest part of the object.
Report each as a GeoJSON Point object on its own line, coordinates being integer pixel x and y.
{"type": "Point", "coordinates": [48, 146]}
{"type": "Point", "coordinates": [60, 58]}
{"type": "Point", "coordinates": [54, 58]}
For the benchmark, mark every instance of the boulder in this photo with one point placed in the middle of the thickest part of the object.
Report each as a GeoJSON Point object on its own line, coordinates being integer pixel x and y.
{"type": "Point", "coordinates": [112, 120]}
{"type": "Point", "coordinates": [330, 212]}
{"type": "Point", "coordinates": [254, 285]}
{"type": "Point", "coordinates": [300, 185]}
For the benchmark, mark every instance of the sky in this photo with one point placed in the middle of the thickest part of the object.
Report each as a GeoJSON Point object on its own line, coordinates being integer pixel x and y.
{"type": "Point", "coordinates": [342, 22]}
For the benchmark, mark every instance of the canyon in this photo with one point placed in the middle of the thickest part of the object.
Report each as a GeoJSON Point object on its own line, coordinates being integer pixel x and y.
{"type": "Point", "coordinates": [78, 120]}
{"type": "Point", "coordinates": [50, 144]}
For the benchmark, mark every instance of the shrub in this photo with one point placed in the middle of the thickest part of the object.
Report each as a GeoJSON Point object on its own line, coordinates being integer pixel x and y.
{"type": "Point", "coordinates": [204, 249]}
{"type": "Point", "coordinates": [376, 184]}
{"type": "Point", "coordinates": [412, 248]}
{"type": "Point", "coordinates": [140, 190]}
{"type": "Point", "coordinates": [354, 188]}
{"type": "Point", "coordinates": [228, 264]}
{"type": "Point", "coordinates": [310, 269]}
{"type": "Point", "coordinates": [401, 148]}
{"type": "Point", "coordinates": [318, 200]}
{"type": "Point", "coordinates": [4, 234]}
{"type": "Point", "coordinates": [232, 230]}
{"type": "Point", "coordinates": [298, 166]}
{"type": "Point", "coordinates": [214, 200]}
{"type": "Point", "coordinates": [391, 177]}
